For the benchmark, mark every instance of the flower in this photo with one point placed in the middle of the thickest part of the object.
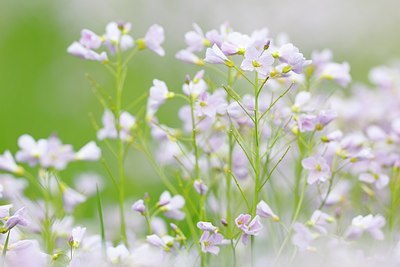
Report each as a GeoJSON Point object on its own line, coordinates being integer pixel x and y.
{"type": "Point", "coordinates": [200, 187]}
{"type": "Point", "coordinates": [264, 211]}
{"type": "Point", "coordinates": [171, 205]}
{"type": "Point", "coordinates": [153, 40]}
{"type": "Point", "coordinates": [71, 198]}
{"type": "Point", "coordinates": [248, 226]}
{"type": "Point", "coordinates": [158, 94]}
{"type": "Point", "coordinates": [236, 43]}
{"type": "Point", "coordinates": [19, 218]}
{"type": "Point", "coordinates": [57, 155]}
{"type": "Point", "coordinates": [318, 168]}
{"type": "Point", "coordinates": [196, 86]}
{"type": "Point", "coordinates": [118, 254]}
{"type": "Point", "coordinates": [258, 61]}
{"type": "Point", "coordinates": [77, 236]}
{"type": "Point", "coordinates": [189, 57]}
{"type": "Point", "coordinates": [109, 130]}
{"type": "Point", "coordinates": [89, 152]}
{"type": "Point", "coordinates": [303, 237]}
{"type": "Point", "coordinates": [207, 226]}
{"type": "Point", "coordinates": [319, 220]}
{"type": "Point", "coordinates": [30, 150]}
{"type": "Point", "coordinates": [371, 224]}
{"type": "Point", "coordinates": [117, 36]}
{"type": "Point", "coordinates": [340, 73]}
{"type": "Point", "coordinates": [290, 55]}
{"type": "Point", "coordinates": [139, 206]}
{"type": "Point", "coordinates": [7, 163]}
{"type": "Point", "coordinates": [79, 50]}
{"type": "Point", "coordinates": [209, 242]}
{"type": "Point", "coordinates": [166, 242]}
{"type": "Point", "coordinates": [214, 55]}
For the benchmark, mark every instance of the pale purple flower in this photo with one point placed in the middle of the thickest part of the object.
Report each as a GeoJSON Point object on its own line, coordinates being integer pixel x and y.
{"type": "Point", "coordinates": [127, 122]}
{"type": "Point", "coordinates": [307, 122]}
{"type": "Point", "coordinates": [158, 94]}
{"type": "Point", "coordinates": [57, 154]}
{"type": "Point", "coordinates": [261, 62]}
{"type": "Point", "coordinates": [371, 224]}
{"type": "Point", "coordinates": [71, 198]}
{"type": "Point", "coordinates": [340, 73]}
{"type": "Point", "coordinates": [209, 242]}
{"type": "Point", "coordinates": [79, 50]}
{"type": "Point", "coordinates": [118, 254]}
{"type": "Point", "coordinates": [196, 86]}
{"type": "Point", "coordinates": [290, 55]}
{"type": "Point", "coordinates": [248, 226]}
{"type": "Point", "coordinates": [319, 220]}
{"type": "Point", "coordinates": [320, 59]}
{"type": "Point", "coordinates": [200, 187]}
{"type": "Point", "coordinates": [196, 40]}
{"type": "Point", "coordinates": [171, 206]}
{"type": "Point", "coordinates": [264, 211]}
{"type": "Point", "coordinates": [318, 169]}
{"type": "Point", "coordinates": [20, 217]}
{"type": "Point", "coordinates": [7, 163]}
{"type": "Point", "coordinates": [77, 236]}
{"type": "Point", "coordinates": [380, 180]}
{"type": "Point", "coordinates": [26, 253]}
{"type": "Point", "coordinates": [384, 77]}
{"type": "Point", "coordinates": [109, 130]}
{"type": "Point", "coordinates": [333, 136]}
{"type": "Point", "coordinates": [303, 237]}
{"type": "Point", "coordinates": [211, 105]}
{"type": "Point", "coordinates": [214, 55]}
{"type": "Point", "coordinates": [189, 57]}
{"type": "Point", "coordinates": [30, 150]}
{"type": "Point", "coordinates": [236, 43]}
{"type": "Point", "coordinates": [165, 243]}
{"type": "Point", "coordinates": [154, 38]}
{"type": "Point", "coordinates": [325, 117]}
{"type": "Point", "coordinates": [87, 183]}
{"type": "Point", "coordinates": [300, 104]}
{"type": "Point", "coordinates": [139, 206]}
{"type": "Point", "coordinates": [89, 152]}
{"type": "Point", "coordinates": [117, 35]}
{"type": "Point", "coordinates": [90, 40]}
{"type": "Point", "coordinates": [5, 211]}
{"type": "Point", "coordinates": [207, 226]}
{"type": "Point", "coordinates": [260, 38]}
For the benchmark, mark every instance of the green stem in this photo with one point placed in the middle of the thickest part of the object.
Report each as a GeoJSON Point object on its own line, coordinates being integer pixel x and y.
{"type": "Point", "coordinates": [3, 258]}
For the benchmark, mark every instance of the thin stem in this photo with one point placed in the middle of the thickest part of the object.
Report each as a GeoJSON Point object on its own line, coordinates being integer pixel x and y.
{"type": "Point", "coordinates": [3, 258]}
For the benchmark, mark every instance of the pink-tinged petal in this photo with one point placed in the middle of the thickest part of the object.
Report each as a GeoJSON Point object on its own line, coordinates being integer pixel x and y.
{"type": "Point", "coordinates": [309, 163]}
{"type": "Point", "coordinates": [367, 178]}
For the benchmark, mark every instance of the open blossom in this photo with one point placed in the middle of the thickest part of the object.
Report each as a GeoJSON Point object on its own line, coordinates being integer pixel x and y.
{"type": "Point", "coordinates": [290, 55]}
{"type": "Point", "coordinates": [196, 86]}
{"type": "Point", "coordinates": [264, 211]}
{"type": "Point", "coordinates": [211, 105]}
{"type": "Point", "coordinates": [371, 224]}
{"type": "Point", "coordinates": [79, 50]}
{"type": "Point", "coordinates": [77, 236]}
{"type": "Point", "coordinates": [71, 198]}
{"type": "Point", "coordinates": [158, 94]}
{"type": "Point", "coordinates": [319, 220]}
{"type": "Point", "coordinates": [375, 176]}
{"type": "Point", "coordinates": [214, 55]}
{"type": "Point", "coordinates": [5, 211]}
{"type": "Point", "coordinates": [90, 152]}
{"type": "Point", "coordinates": [171, 206]}
{"type": "Point", "coordinates": [340, 73]}
{"type": "Point", "coordinates": [303, 237]}
{"type": "Point", "coordinates": [236, 43]}
{"type": "Point", "coordinates": [209, 242]}
{"type": "Point", "coordinates": [189, 57]}
{"type": "Point", "coordinates": [118, 254]}
{"type": "Point", "coordinates": [30, 150]}
{"type": "Point", "coordinates": [117, 36]}
{"type": "Point", "coordinates": [248, 226]}
{"type": "Point", "coordinates": [7, 163]}
{"type": "Point", "coordinates": [19, 218]}
{"type": "Point", "coordinates": [165, 243]}
{"type": "Point", "coordinates": [109, 130]}
{"type": "Point", "coordinates": [57, 154]}
{"type": "Point", "coordinates": [258, 61]}
{"type": "Point", "coordinates": [200, 187]}
{"type": "Point", "coordinates": [318, 169]}
{"type": "Point", "coordinates": [153, 39]}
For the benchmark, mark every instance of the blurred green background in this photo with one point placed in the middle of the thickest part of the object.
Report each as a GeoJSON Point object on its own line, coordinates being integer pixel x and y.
{"type": "Point", "coordinates": [44, 90]}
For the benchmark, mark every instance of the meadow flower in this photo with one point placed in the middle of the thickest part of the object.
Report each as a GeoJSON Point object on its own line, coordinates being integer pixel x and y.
{"type": "Point", "coordinates": [290, 55]}
{"type": "Point", "coordinates": [158, 94]}
{"type": "Point", "coordinates": [258, 61]}
{"type": "Point", "coordinates": [248, 226]}
{"type": "Point", "coordinates": [79, 50]}
{"type": "Point", "coordinates": [139, 206]}
{"type": "Point", "coordinates": [236, 43]}
{"type": "Point", "coordinates": [303, 237]}
{"type": "Point", "coordinates": [57, 154]}
{"type": "Point", "coordinates": [118, 254]}
{"type": "Point", "coordinates": [371, 224]}
{"type": "Point", "coordinates": [109, 130]}
{"type": "Point", "coordinates": [211, 105]}
{"type": "Point", "coordinates": [71, 198]}
{"type": "Point", "coordinates": [264, 211]}
{"type": "Point", "coordinates": [200, 187]}
{"type": "Point", "coordinates": [171, 206]}
{"type": "Point", "coordinates": [209, 242]}
{"type": "Point", "coordinates": [89, 152]}
{"type": "Point", "coordinates": [90, 40]}
{"type": "Point", "coordinates": [319, 220]}
{"type": "Point", "coordinates": [318, 169]}
{"type": "Point", "coordinates": [30, 150]}
{"type": "Point", "coordinates": [214, 55]}
{"type": "Point", "coordinates": [7, 163]}
{"type": "Point", "coordinates": [117, 36]}
{"type": "Point", "coordinates": [207, 226]}
{"type": "Point", "coordinates": [153, 39]}
{"type": "Point", "coordinates": [5, 211]}
{"type": "Point", "coordinates": [196, 86]}
{"type": "Point", "coordinates": [189, 57]}
{"type": "Point", "coordinates": [20, 217]}
{"type": "Point", "coordinates": [77, 236]}
{"type": "Point", "coordinates": [375, 176]}
{"type": "Point", "coordinates": [26, 252]}
{"type": "Point", "coordinates": [165, 243]}
{"type": "Point", "coordinates": [337, 72]}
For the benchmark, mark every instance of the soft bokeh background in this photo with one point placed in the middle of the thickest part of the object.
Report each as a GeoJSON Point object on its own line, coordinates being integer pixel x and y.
{"type": "Point", "coordinates": [44, 90]}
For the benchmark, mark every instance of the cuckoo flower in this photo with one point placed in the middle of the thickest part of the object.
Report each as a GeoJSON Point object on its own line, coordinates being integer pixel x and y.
{"type": "Point", "coordinates": [116, 36]}
{"type": "Point", "coordinates": [118, 254]}
{"type": "Point", "coordinates": [171, 206]}
{"type": "Point", "coordinates": [139, 206]}
{"type": "Point", "coordinates": [248, 226]}
{"type": "Point", "coordinates": [303, 237]}
{"type": "Point", "coordinates": [236, 43]}
{"type": "Point", "coordinates": [7, 163]}
{"type": "Point", "coordinates": [79, 50]}
{"type": "Point", "coordinates": [30, 150]}
{"type": "Point", "coordinates": [57, 154]}
{"type": "Point", "coordinates": [261, 62]}
{"type": "Point", "coordinates": [109, 130]}
{"type": "Point", "coordinates": [153, 40]}
{"type": "Point", "coordinates": [158, 94]}
{"type": "Point", "coordinates": [264, 211]}
{"type": "Point", "coordinates": [77, 236]}
{"type": "Point", "coordinates": [340, 73]}
{"type": "Point", "coordinates": [318, 169]}
{"type": "Point", "coordinates": [371, 224]}
{"type": "Point", "coordinates": [290, 55]}
{"type": "Point", "coordinates": [214, 55]}
{"type": "Point", "coordinates": [319, 220]}
{"type": "Point", "coordinates": [196, 86]}
{"type": "Point", "coordinates": [89, 152]}
{"type": "Point", "coordinates": [165, 243]}
{"type": "Point", "coordinates": [209, 242]}
{"type": "Point", "coordinates": [19, 218]}
{"type": "Point", "coordinates": [189, 57]}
